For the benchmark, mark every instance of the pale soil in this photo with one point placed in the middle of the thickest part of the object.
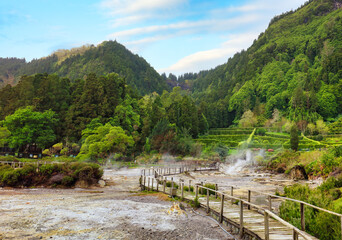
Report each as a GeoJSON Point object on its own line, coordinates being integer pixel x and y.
{"type": "Point", "coordinates": [112, 212]}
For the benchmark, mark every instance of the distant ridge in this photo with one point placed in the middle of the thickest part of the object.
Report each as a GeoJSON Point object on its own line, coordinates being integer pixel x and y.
{"type": "Point", "coordinates": [107, 57]}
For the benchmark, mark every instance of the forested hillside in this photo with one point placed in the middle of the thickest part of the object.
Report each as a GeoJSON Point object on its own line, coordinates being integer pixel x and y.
{"type": "Point", "coordinates": [295, 66]}
{"type": "Point", "coordinates": [108, 57]}
{"type": "Point", "coordinates": [105, 98]}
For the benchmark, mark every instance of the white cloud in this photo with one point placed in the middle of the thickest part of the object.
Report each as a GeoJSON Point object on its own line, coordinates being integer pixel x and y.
{"type": "Point", "coordinates": [136, 6]}
{"type": "Point", "coordinates": [211, 58]}
{"type": "Point", "coordinates": [210, 25]}
{"type": "Point", "coordinates": [139, 23]}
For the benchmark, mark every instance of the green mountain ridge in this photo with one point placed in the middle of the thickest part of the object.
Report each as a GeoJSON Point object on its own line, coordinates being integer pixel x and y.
{"type": "Point", "coordinates": [294, 66]}
{"type": "Point", "coordinates": [107, 57]}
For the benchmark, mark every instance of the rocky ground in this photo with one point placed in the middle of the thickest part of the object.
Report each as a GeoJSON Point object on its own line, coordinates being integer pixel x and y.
{"type": "Point", "coordinates": [117, 211]}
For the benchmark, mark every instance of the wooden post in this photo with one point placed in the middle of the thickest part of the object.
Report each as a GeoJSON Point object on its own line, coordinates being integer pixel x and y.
{"type": "Point", "coordinates": [182, 186]}
{"type": "Point", "coordinates": [152, 183]}
{"type": "Point", "coordinates": [241, 219]}
{"type": "Point", "coordinates": [148, 184]}
{"type": "Point", "coordinates": [267, 228]}
{"type": "Point", "coordinates": [196, 191]}
{"type": "Point", "coordinates": [144, 182]}
{"type": "Point", "coordinates": [270, 203]}
{"type": "Point", "coordinates": [302, 217]}
{"type": "Point", "coordinates": [249, 199]}
{"type": "Point", "coordinates": [189, 185]}
{"type": "Point", "coordinates": [232, 193]}
{"type": "Point", "coordinates": [216, 189]}
{"type": "Point", "coordinates": [164, 185]}
{"type": "Point", "coordinates": [201, 188]}
{"type": "Point", "coordinates": [295, 235]}
{"type": "Point", "coordinates": [157, 184]}
{"type": "Point", "coordinates": [221, 210]}
{"type": "Point", "coordinates": [341, 227]}
{"type": "Point", "coordinates": [207, 201]}
{"type": "Point", "coordinates": [171, 190]}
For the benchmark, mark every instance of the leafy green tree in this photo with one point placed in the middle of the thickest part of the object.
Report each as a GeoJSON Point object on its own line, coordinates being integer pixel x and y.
{"type": "Point", "coordinates": [294, 139]}
{"type": "Point", "coordinates": [248, 119]}
{"type": "Point", "coordinates": [126, 116]}
{"type": "Point", "coordinates": [4, 134]}
{"type": "Point", "coordinates": [104, 141]}
{"type": "Point", "coordinates": [29, 127]}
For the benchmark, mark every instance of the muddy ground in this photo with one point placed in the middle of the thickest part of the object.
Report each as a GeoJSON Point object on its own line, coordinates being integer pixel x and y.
{"type": "Point", "coordinates": [117, 211]}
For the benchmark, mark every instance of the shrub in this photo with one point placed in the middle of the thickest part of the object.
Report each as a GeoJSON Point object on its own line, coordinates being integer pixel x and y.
{"type": "Point", "coordinates": [49, 169]}
{"type": "Point", "coordinates": [196, 203]}
{"type": "Point", "coordinates": [261, 131]}
{"type": "Point", "coordinates": [169, 184]}
{"type": "Point", "coordinates": [11, 177]}
{"type": "Point", "coordinates": [67, 181]}
{"type": "Point", "coordinates": [211, 186]}
{"type": "Point", "coordinates": [65, 151]}
{"type": "Point", "coordinates": [46, 152]}
{"type": "Point", "coordinates": [8, 158]}
{"type": "Point", "coordinates": [85, 173]}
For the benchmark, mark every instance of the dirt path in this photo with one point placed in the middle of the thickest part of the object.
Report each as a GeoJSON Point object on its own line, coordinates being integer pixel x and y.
{"type": "Point", "coordinates": [113, 212]}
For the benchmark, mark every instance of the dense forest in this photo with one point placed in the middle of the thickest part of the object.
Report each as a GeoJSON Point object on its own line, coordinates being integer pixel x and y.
{"type": "Point", "coordinates": [294, 66]}
{"type": "Point", "coordinates": [107, 57]}
{"type": "Point", "coordinates": [97, 97]}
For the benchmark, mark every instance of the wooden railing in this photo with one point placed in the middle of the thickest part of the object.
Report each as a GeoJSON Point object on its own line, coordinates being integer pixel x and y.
{"type": "Point", "coordinates": [302, 205]}
{"type": "Point", "coordinates": [152, 184]}
{"type": "Point", "coordinates": [161, 173]}
{"type": "Point", "coordinates": [177, 170]}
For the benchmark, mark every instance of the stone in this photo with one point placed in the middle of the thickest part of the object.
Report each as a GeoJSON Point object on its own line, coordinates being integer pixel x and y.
{"type": "Point", "coordinates": [298, 173]}
{"type": "Point", "coordinates": [102, 183]}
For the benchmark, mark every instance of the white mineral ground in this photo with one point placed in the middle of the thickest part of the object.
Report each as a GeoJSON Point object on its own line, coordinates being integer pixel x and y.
{"type": "Point", "coordinates": [117, 211]}
{"type": "Point", "coordinates": [113, 212]}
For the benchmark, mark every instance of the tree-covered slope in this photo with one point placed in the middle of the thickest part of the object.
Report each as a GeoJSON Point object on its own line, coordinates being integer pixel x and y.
{"type": "Point", "coordinates": [107, 57]}
{"type": "Point", "coordinates": [295, 66]}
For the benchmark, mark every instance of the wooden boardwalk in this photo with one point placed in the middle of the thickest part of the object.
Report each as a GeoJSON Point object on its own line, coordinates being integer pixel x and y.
{"type": "Point", "coordinates": [256, 221]}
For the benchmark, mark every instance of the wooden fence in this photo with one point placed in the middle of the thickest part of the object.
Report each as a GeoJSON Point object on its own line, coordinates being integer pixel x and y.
{"type": "Point", "coordinates": [156, 179]}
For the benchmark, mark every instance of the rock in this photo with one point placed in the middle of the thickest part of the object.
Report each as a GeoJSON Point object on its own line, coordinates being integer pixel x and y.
{"type": "Point", "coordinates": [102, 183]}
{"type": "Point", "coordinates": [81, 184]}
{"type": "Point", "coordinates": [298, 173]}
{"type": "Point", "coordinates": [56, 179]}
{"type": "Point", "coordinates": [281, 168]}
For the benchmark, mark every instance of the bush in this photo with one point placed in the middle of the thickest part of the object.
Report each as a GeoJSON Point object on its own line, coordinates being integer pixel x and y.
{"type": "Point", "coordinates": [261, 131]}
{"type": "Point", "coordinates": [11, 178]}
{"type": "Point", "coordinates": [8, 158]}
{"type": "Point", "coordinates": [69, 173]}
{"type": "Point", "coordinates": [196, 203]}
{"type": "Point", "coordinates": [211, 186]}
{"type": "Point", "coordinates": [85, 173]}
{"type": "Point", "coordinates": [169, 184]}
{"type": "Point", "coordinates": [67, 181]}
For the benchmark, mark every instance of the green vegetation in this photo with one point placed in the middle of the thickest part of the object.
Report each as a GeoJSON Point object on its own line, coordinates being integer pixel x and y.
{"type": "Point", "coordinates": [107, 57]}
{"type": "Point", "coordinates": [27, 126]}
{"type": "Point", "coordinates": [293, 67]}
{"type": "Point", "coordinates": [111, 104]}
{"type": "Point", "coordinates": [61, 174]}
{"type": "Point", "coordinates": [316, 163]}
{"type": "Point", "coordinates": [328, 196]}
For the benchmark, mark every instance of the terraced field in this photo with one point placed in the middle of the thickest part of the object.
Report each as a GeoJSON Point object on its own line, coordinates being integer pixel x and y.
{"type": "Point", "coordinates": [237, 137]}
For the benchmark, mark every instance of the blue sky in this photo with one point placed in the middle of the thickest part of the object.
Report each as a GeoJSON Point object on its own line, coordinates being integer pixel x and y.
{"type": "Point", "coordinates": [175, 36]}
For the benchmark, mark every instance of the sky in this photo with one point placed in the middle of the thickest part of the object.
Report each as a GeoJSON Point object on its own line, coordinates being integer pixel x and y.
{"type": "Point", "coordinates": [176, 36]}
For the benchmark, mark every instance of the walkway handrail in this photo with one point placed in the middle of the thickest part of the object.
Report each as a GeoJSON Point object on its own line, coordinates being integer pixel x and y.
{"type": "Point", "coordinates": [249, 204]}
{"type": "Point", "coordinates": [298, 201]}
{"type": "Point", "coordinates": [267, 213]}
